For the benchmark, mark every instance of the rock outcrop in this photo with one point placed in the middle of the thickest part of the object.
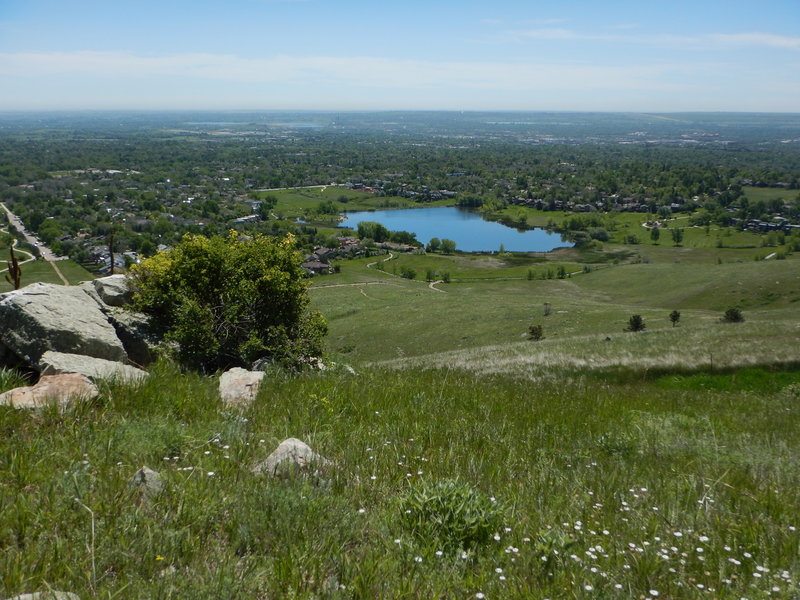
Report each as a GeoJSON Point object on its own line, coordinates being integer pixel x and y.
{"type": "Point", "coordinates": [84, 320]}
{"type": "Point", "coordinates": [42, 317]}
{"type": "Point", "coordinates": [51, 389]}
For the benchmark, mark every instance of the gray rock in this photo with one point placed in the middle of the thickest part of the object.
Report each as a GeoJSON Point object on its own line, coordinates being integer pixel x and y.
{"type": "Point", "coordinates": [48, 595]}
{"type": "Point", "coordinates": [88, 288]}
{"type": "Point", "coordinates": [238, 387]}
{"type": "Point", "coordinates": [139, 339]}
{"type": "Point", "coordinates": [290, 457]}
{"type": "Point", "coordinates": [42, 317]}
{"type": "Point", "coordinates": [53, 363]}
{"type": "Point", "coordinates": [58, 389]}
{"type": "Point", "coordinates": [148, 482]}
{"type": "Point", "coordinates": [113, 290]}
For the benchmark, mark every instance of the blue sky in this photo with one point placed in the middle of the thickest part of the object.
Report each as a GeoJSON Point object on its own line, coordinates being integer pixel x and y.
{"type": "Point", "coordinates": [606, 55]}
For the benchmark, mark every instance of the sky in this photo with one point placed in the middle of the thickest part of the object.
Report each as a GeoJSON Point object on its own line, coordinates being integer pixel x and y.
{"type": "Point", "coordinates": [570, 55]}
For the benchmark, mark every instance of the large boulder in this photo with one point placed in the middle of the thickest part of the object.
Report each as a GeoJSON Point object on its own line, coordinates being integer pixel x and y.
{"type": "Point", "coordinates": [53, 363]}
{"type": "Point", "coordinates": [42, 317]}
{"type": "Point", "coordinates": [51, 389]}
{"type": "Point", "coordinates": [113, 290]}
{"type": "Point", "coordinates": [292, 456]}
{"type": "Point", "coordinates": [238, 387]}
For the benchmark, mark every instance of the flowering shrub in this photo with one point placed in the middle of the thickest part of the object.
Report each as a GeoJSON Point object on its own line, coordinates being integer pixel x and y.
{"type": "Point", "coordinates": [228, 301]}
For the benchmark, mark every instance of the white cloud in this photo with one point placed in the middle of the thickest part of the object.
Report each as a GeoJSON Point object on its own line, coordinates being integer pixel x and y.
{"type": "Point", "coordinates": [757, 39]}
{"type": "Point", "coordinates": [362, 71]}
{"type": "Point", "coordinates": [701, 40]}
{"type": "Point", "coordinates": [123, 80]}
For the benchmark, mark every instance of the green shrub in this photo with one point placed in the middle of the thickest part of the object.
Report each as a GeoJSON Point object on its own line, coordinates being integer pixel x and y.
{"type": "Point", "coordinates": [636, 323]}
{"type": "Point", "coordinates": [535, 333]}
{"type": "Point", "coordinates": [450, 515]}
{"type": "Point", "coordinates": [407, 272]}
{"type": "Point", "coordinates": [228, 301]}
{"type": "Point", "coordinates": [733, 315]}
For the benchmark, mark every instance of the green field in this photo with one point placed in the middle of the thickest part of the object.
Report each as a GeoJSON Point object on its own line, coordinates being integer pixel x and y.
{"type": "Point", "coordinates": [40, 270]}
{"type": "Point", "coordinates": [375, 315]}
{"type": "Point", "coordinates": [294, 203]}
{"type": "Point", "coordinates": [755, 194]}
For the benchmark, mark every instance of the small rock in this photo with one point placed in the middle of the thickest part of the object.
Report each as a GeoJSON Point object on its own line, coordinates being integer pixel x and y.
{"type": "Point", "coordinates": [59, 389]}
{"type": "Point", "coordinates": [48, 595]}
{"type": "Point", "coordinates": [238, 387]}
{"type": "Point", "coordinates": [148, 482]}
{"type": "Point", "coordinates": [291, 455]}
{"type": "Point", "coordinates": [53, 363]}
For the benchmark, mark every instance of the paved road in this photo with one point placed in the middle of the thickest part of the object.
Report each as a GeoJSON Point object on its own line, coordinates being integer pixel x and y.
{"type": "Point", "coordinates": [17, 224]}
{"type": "Point", "coordinates": [44, 251]}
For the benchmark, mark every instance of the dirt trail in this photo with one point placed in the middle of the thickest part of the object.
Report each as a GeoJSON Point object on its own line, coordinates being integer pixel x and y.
{"type": "Point", "coordinates": [434, 283]}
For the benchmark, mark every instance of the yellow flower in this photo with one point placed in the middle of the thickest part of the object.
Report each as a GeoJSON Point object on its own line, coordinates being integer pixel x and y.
{"type": "Point", "coordinates": [159, 557]}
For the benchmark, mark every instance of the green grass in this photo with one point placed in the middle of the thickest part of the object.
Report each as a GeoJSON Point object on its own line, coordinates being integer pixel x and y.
{"type": "Point", "coordinates": [294, 202]}
{"type": "Point", "coordinates": [692, 493]}
{"type": "Point", "coordinates": [490, 302]}
{"type": "Point", "coordinates": [43, 271]}
{"type": "Point", "coordinates": [754, 194]}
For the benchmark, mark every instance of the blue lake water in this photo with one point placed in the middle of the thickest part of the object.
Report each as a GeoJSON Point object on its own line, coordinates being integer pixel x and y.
{"type": "Point", "coordinates": [467, 229]}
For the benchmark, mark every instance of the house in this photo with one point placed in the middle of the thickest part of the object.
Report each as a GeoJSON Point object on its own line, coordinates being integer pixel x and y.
{"type": "Point", "coordinates": [315, 267]}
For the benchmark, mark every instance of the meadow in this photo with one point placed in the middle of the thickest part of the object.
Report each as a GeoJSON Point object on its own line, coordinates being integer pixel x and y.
{"type": "Point", "coordinates": [447, 484]}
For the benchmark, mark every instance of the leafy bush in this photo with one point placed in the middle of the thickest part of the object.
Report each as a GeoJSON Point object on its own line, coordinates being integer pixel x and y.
{"type": "Point", "coordinates": [407, 272]}
{"type": "Point", "coordinates": [450, 515]}
{"type": "Point", "coordinates": [733, 315]}
{"type": "Point", "coordinates": [228, 301]}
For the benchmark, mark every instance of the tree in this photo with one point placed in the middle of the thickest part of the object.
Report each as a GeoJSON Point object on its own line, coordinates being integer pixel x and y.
{"type": "Point", "coordinates": [228, 302]}
{"type": "Point", "coordinates": [372, 230]}
{"type": "Point", "coordinates": [733, 315]}
{"type": "Point", "coordinates": [266, 204]}
{"type": "Point", "coordinates": [535, 333]}
{"type": "Point", "coordinates": [448, 246]}
{"type": "Point", "coordinates": [655, 233]}
{"type": "Point", "coordinates": [636, 323]}
{"type": "Point", "coordinates": [677, 235]}
{"type": "Point", "coordinates": [674, 317]}
{"type": "Point", "coordinates": [433, 245]}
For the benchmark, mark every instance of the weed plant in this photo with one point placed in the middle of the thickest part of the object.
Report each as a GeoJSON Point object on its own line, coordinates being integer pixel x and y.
{"type": "Point", "coordinates": [606, 489]}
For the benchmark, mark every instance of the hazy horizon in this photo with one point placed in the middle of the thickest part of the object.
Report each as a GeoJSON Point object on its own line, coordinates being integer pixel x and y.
{"type": "Point", "coordinates": [326, 56]}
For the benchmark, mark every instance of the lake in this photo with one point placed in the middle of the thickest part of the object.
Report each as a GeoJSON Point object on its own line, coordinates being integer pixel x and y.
{"type": "Point", "coordinates": [468, 230]}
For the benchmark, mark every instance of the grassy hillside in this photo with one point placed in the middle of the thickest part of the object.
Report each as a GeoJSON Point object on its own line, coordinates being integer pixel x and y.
{"type": "Point", "coordinates": [489, 302]}
{"type": "Point", "coordinates": [589, 488]}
